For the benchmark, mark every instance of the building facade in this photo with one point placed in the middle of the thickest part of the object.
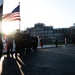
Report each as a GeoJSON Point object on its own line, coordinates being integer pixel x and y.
{"type": "Point", "coordinates": [49, 34]}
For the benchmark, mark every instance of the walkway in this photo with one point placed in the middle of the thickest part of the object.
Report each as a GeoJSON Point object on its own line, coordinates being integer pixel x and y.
{"type": "Point", "coordinates": [45, 61]}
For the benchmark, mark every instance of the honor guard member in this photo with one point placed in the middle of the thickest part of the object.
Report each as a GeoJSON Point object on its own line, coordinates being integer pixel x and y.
{"type": "Point", "coordinates": [41, 42]}
{"type": "Point", "coordinates": [35, 42]}
{"type": "Point", "coordinates": [17, 39]}
{"type": "Point", "coordinates": [27, 42]}
{"type": "Point", "coordinates": [23, 43]}
{"type": "Point", "coordinates": [56, 43]}
{"type": "Point", "coordinates": [10, 45]}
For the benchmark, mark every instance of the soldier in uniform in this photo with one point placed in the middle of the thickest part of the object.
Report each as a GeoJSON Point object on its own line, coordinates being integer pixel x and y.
{"type": "Point", "coordinates": [24, 43]}
{"type": "Point", "coordinates": [56, 43]}
{"type": "Point", "coordinates": [41, 42]}
{"type": "Point", "coordinates": [27, 43]}
{"type": "Point", "coordinates": [9, 45]}
{"type": "Point", "coordinates": [1, 45]}
{"type": "Point", "coordinates": [17, 39]}
{"type": "Point", "coordinates": [35, 42]}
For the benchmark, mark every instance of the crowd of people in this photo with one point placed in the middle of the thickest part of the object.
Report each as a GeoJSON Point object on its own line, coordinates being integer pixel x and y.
{"type": "Point", "coordinates": [23, 42]}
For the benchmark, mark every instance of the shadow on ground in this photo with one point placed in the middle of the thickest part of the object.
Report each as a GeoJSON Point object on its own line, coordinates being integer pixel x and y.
{"type": "Point", "coordinates": [51, 61]}
{"type": "Point", "coordinates": [19, 66]}
{"type": "Point", "coordinates": [10, 67]}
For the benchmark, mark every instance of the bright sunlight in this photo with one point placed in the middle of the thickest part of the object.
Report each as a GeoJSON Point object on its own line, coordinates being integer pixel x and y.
{"type": "Point", "coordinates": [9, 27]}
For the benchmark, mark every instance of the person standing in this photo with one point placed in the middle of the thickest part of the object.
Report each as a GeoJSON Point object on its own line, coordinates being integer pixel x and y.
{"type": "Point", "coordinates": [65, 41]}
{"type": "Point", "coordinates": [56, 43]}
{"type": "Point", "coordinates": [1, 45]}
{"type": "Point", "coordinates": [10, 45]}
{"type": "Point", "coordinates": [17, 39]}
{"type": "Point", "coordinates": [41, 42]}
{"type": "Point", "coordinates": [35, 42]}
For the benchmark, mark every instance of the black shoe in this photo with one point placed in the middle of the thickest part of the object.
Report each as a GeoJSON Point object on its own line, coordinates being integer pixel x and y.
{"type": "Point", "coordinates": [16, 57]}
{"type": "Point", "coordinates": [8, 56]}
{"type": "Point", "coordinates": [12, 56]}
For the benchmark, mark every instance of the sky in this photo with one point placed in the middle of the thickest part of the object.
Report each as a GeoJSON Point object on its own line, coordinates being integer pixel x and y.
{"type": "Point", "coordinates": [56, 13]}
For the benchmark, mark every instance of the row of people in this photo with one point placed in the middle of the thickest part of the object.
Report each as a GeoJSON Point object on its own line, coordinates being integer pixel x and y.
{"type": "Point", "coordinates": [22, 41]}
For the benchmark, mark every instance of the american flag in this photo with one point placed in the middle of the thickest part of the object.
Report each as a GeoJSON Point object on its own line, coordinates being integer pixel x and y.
{"type": "Point", "coordinates": [13, 16]}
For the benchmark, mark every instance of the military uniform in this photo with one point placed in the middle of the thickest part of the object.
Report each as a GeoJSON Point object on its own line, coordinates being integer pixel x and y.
{"type": "Point", "coordinates": [18, 44]}
{"type": "Point", "coordinates": [9, 45]}
{"type": "Point", "coordinates": [35, 42]}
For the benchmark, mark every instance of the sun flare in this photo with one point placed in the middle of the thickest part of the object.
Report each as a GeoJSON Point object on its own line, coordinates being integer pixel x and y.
{"type": "Point", "coordinates": [8, 27]}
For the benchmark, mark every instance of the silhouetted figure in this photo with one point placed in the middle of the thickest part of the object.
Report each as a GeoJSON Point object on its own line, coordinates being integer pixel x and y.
{"type": "Point", "coordinates": [30, 45]}
{"type": "Point", "coordinates": [56, 43]}
{"type": "Point", "coordinates": [27, 43]}
{"type": "Point", "coordinates": [41, 42]}
{"type": "Point", "coordinates": [34, 42]}
{"type": "Point", "coordinates": [10, 45]}
{"type": "Point", "coordinates": [22, 45]}
{"type": "Point", "coordinates": [1, 45]}
{"type": "Point", "coordinates": [17, 39]}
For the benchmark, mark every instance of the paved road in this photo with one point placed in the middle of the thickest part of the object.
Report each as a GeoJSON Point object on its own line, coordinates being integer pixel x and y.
{"type": "Point", "coordinates": [50, 61]}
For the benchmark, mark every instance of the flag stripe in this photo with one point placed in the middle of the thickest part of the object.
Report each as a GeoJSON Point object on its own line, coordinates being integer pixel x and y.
{"type": "Point", "coordinates": [13, 16]}
{"type": "Point", "coordinates": [5, 17]}
{"type": "Point", "coordinates": [16, 19]}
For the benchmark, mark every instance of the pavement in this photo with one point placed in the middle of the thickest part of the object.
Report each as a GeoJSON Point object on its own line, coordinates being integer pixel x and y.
{"type": "Point", "coordinates": [48, 60]}
{"type": "Point", "coordinates": [53, 45]}
{"type": "Point", "coordinates": [45, 46]}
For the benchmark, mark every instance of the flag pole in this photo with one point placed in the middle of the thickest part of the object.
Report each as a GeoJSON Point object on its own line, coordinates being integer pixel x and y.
{"type": "Point", "coordinates": [19, 20]}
